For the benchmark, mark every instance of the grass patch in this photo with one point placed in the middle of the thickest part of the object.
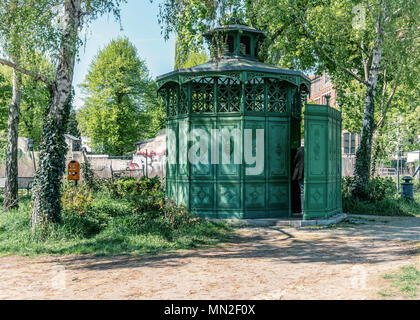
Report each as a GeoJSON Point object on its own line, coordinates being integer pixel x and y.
{"type": "Point", "coordinates": [105, 225]}
{"type": "Point", "coordinates": [389, 206]}
{"type": "Point", "coordinates": [405, 282]}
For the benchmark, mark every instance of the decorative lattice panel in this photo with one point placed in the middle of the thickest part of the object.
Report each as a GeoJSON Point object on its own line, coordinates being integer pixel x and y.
{"type": "Point", "coordinates": [202, 95]}
{"type": "Point", "coordinates": [276, 100]}
{"type": "Point", "coordinates": [183, 99]}
{"type": "Point", "coordinates": [229, 95]}
{"type": "Point", "coordinates": [254, 95]}
{"type": "Point", "coordinates": [172, 100]}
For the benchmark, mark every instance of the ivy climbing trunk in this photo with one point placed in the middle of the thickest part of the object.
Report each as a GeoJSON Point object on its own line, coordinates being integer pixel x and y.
{"type": "Point", "coordinates": [47, 186]}
{"type": "Point", "coordinates": [363, 154]}
{"type": "Point", "coordinates": [375, 153]}
{"type": "Point", "coordinates": [11, 186]}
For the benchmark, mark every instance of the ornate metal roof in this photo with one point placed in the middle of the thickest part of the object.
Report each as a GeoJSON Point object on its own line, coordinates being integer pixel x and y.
{"type": "Point", "coordinates": [240, 57]}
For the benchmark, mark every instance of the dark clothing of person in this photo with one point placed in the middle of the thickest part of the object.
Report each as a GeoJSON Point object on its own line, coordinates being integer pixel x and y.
{"type": "Point", "coordinates": [297, 169]}
{"type": "Point", "coordinates": [302, 195]}
{"type": "Point", "coordinates": [298, 165]}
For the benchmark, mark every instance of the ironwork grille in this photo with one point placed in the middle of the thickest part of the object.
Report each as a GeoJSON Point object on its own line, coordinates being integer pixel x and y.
{"type": "Point", "coordinates": [229, 95]}
{"type": "Point", "coordinates": [183, 99]}
{"type": "Point", "coordinates": [202, 95]}
{"type": "Point", "coordinates": [254, 95]}
{"type": "Point", "coordinates": [276, 101]}
{"type": "Point", "coordinates": [172, 99]}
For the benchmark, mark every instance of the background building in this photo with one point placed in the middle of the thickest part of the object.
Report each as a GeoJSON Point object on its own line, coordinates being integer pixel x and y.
{"type": "Point", "coordinates": [321, 86]}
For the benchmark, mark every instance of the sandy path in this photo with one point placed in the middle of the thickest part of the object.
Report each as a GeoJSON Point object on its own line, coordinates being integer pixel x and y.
{"type": "Point", "coordinates": [260, 263]}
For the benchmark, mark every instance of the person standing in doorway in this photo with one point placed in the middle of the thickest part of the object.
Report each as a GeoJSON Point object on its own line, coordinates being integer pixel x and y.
{"type": "Point", "coordinates": [298, 166]}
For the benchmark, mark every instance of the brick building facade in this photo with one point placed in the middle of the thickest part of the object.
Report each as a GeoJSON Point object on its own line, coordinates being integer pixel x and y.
{"type": "Point", "coordinates": [321, 86]}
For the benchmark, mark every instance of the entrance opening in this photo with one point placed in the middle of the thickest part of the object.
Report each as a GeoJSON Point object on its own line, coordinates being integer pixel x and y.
{"type": "Point", "coordinates": [296, 170]}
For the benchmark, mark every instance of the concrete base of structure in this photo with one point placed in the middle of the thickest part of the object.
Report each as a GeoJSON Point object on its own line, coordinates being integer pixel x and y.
{"type": "Point", "coordinates": [292, 222]}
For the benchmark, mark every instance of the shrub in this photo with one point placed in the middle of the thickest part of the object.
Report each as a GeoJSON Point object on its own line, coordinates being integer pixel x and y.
{"type": "Point", "coordinates": [131, 187]}
{"type": "Point", "coordinates": [76, 199]}
{"type": "Point", "coordinates": [83, 226]}
{"type": "Point", "coordinates": [127, 216]}
{"type": "Point", "coordinates": [377, 189]}
{"type": "Point", "coordinates": [381, 199]}
{"type": "Point", "coordinates": [88, 174]}
{"type": "Point", "coordinates": [130, 205]}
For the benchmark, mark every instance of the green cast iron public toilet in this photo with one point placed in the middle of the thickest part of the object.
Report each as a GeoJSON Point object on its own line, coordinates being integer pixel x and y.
{"type": "Point", "coordinates": [238, 92]}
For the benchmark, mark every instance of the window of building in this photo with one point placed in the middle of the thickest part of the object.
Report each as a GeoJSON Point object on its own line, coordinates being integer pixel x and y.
{"type": "Point", "coordinates": [245, 45]}
{"type": "Point", "coordinates": [349, 143]}
{"type": "Point", "coordinates": [229, 44]}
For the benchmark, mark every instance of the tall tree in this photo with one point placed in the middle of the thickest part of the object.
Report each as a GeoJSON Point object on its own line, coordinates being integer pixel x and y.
{"type": "Point", "coordinates": [370, 41]}
{"type": "Point", "coordinates": [63, 34]}
{"type": "Point", "coordinates": [13, 48]}
{"type": "Point", "coordinates": [19, 19]}
{"type": "Point", "coordinates": [5, 95]}
{"type": "Point", "coordinates": [116, 85]}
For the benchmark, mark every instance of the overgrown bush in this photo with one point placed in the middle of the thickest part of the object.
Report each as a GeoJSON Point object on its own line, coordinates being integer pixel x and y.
{"type": "Point", "coordinates": [377, 189]}
{"type": "Point", "coordinates": [129, 201]}
{"type": "Point", "coordinates": [88, 174]}
{"type": "Point", "coordinates": [76, 199]}
{"type": "Point", "coordinates": [122, 216]}
{"type": "Point", "coordinates": [381, 199]}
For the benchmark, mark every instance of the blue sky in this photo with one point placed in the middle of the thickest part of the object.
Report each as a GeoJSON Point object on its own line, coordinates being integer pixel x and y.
{"type": "Point", "coordinates": [140, 24]}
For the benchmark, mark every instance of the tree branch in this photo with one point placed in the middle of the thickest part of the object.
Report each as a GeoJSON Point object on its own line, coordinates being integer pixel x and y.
{"type": "Point", "coordinates": [310, 36]}
{"type": "Point", "coordinates": [382, 119]}
{"type": "Point", "coordinates": [32, 74]}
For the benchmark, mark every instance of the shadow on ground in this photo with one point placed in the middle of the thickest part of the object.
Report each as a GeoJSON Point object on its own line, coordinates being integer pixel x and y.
{"type": "Point", "coordinates": [372, 240]}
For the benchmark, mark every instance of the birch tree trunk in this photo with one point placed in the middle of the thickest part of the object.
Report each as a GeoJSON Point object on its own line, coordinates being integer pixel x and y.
{"type": "Point", "coordinates": [46, 192]}
{"type": "Point", "coordinates": [363, 154]}
{"type": "Point", "coordinates": [11, 186]}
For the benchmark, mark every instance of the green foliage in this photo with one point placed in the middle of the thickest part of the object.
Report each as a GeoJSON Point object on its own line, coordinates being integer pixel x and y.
{"type": "Point", "coordinates": [76, 199]}
{"type": "Point", "coordinates": [5, 96]}
{"type": "Point", "coordinates": [132, 188]}
{"type": "Point", "coordinates": [380, 199]}
{"type": "Point", "coordinates": [188, 59]}
{"type": "Point", "coordinates": [103, 222]}
{"type": "Point", "coordinates": [87, 174]}
{"type": "Point", "coordinates": [73, 125]}
{"type": "Point", "coordinates": [116, 86]}
{"type": "Point", "coordinates": [34, 98]}
{"type": "Point", "coordinates": [153, 117]}
{"type": "Point", "coordinates": [377, 189]}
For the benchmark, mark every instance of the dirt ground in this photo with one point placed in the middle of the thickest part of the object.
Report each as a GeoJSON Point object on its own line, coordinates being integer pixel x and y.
{"type": "Point", "coordinates": [344, 262]}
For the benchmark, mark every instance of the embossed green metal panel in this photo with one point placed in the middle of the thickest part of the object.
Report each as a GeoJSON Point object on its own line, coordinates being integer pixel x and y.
{"type": "Point", "coordinates": [322, 161]}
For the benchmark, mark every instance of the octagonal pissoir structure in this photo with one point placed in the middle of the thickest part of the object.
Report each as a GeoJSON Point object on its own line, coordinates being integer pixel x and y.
{"type": "Point", "coordinates": [232, 125]}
